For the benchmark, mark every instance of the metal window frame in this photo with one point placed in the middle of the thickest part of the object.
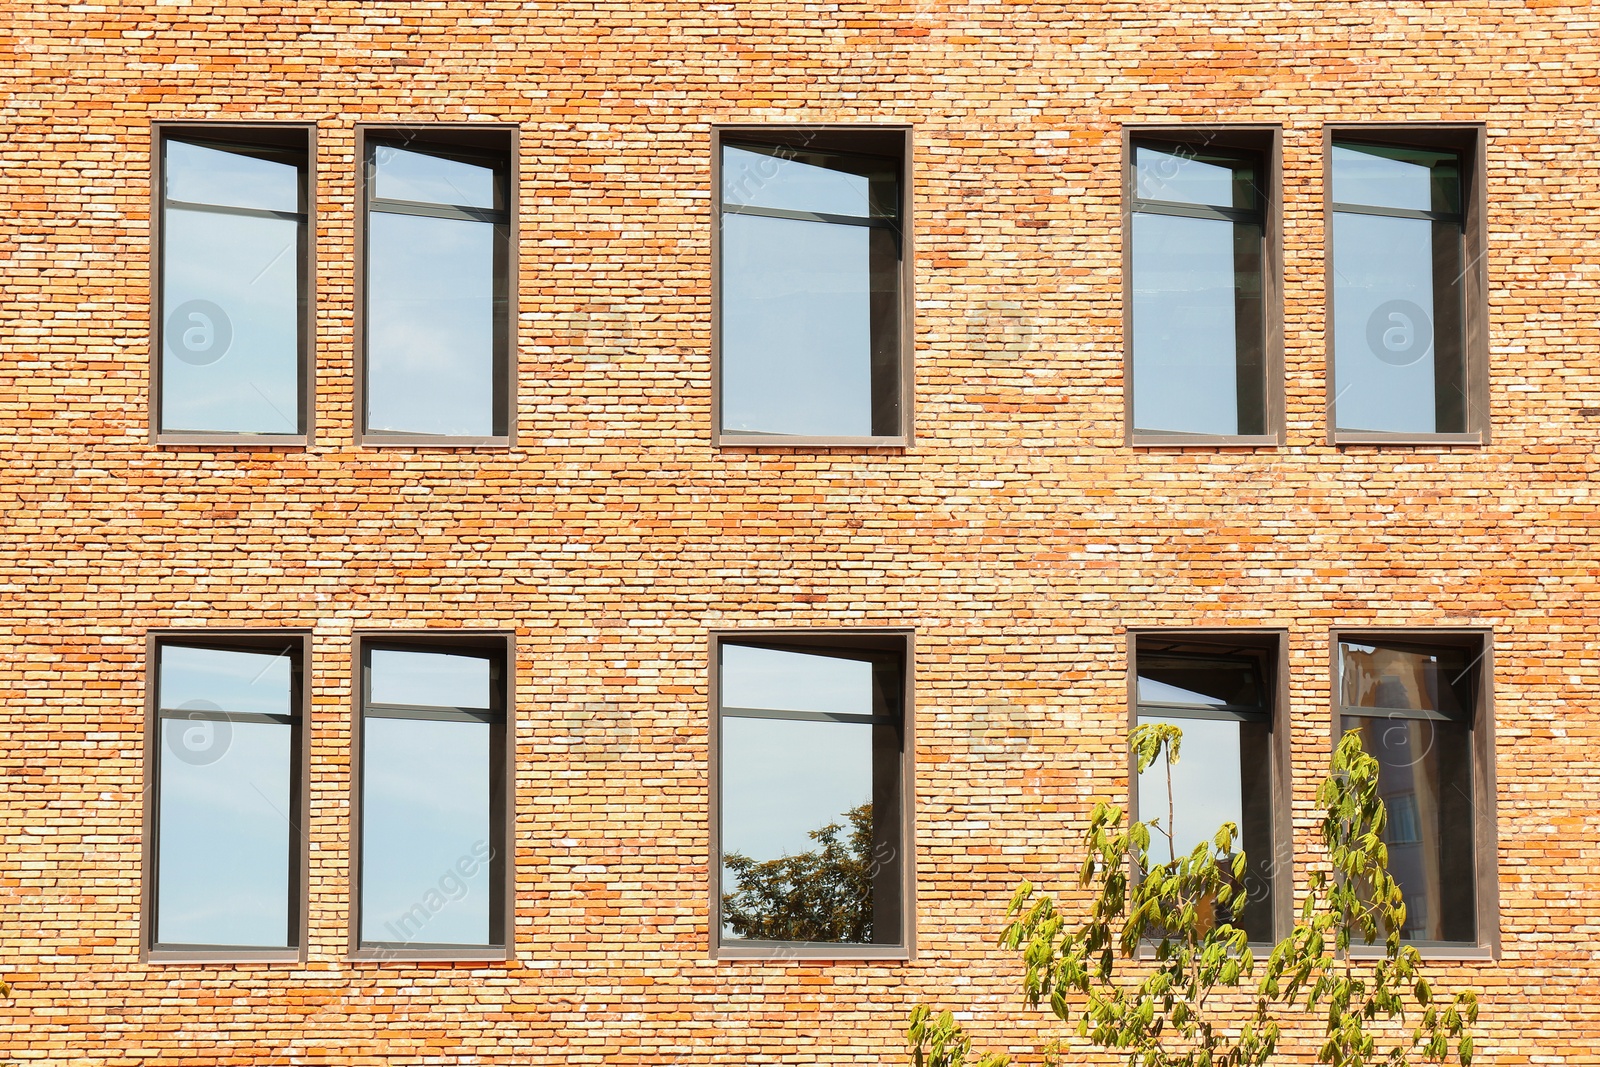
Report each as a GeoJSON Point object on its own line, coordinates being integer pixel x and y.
{"type": "Point", "coordinates": [1271, 645]}
{"type": "Point", "coordinates": [502, 794]}
{"type": "Point", "coordinates": [1266, 141]}
{"type": "Point", "coordinates": [826, 639]}
{"type": "Point", "coordinates": [245, 640]}
{"type": "Point", "coordinates": [1470, 140]}
{"type": "Point", "coordinates": [1485, 833]}
{"type": "Point", "coordinates": [269, 134]}
{"type": "Point", "coordinates": [480, 140]}
{"type": "Point", "coordinates": [883, 141]}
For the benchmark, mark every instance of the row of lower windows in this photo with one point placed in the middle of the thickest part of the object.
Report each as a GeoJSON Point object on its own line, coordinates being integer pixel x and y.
{"type": "Point", "coordinates": [811, 785]}
{"type": "Point", "coordinates": [813, 323]}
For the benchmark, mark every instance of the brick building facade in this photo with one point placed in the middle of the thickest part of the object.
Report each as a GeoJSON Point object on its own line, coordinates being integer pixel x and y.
{"type": "Point", "coordinates": [1015, 535]}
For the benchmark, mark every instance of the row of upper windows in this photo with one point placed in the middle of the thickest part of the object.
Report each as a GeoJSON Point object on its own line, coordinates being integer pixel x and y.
{"type": "Point", "coordinates": [813, 309]}
{"type": "Point", "coordinates": [811, 786]}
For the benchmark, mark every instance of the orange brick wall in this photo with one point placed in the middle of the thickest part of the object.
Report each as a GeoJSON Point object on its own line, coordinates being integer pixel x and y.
{"type": "Point", "coordinates": [1019, 536]}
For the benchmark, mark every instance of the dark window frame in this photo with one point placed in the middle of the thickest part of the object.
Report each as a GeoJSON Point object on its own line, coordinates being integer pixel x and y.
{"type": "Point", "coordinates": [1485, 835]}
{"type": "Point", "coordinates": [1270, 647]}
{"type": "Point", "coordinates": [247, 640]}
{"type": "Point", "coordinates": [502, 794]}
{"type": "Point", "coordinates": [268, 134]}
{"type": "Point", "coordinates": [1266, 142]}
{"type": "Point", "coordinates": [897, 641]}
{"type": "Point", "coordinates": [885, 140]}
{"type": "Point", "coordinates": [481, 141]}
{"type": "Point", "coordinates": [1470, 139]}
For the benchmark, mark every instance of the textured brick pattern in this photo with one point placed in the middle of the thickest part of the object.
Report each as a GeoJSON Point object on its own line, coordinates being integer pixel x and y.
{"type": "Point", "coordinates": [1019, 536]}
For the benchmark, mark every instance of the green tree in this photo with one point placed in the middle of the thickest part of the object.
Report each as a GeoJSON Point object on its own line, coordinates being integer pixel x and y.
{"type": "Point", "coordinates": [821, 895]}
{"type": "Point", "coordinates": [1179, 1012]}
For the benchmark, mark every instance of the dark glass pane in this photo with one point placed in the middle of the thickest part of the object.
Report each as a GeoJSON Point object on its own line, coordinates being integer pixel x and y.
{"type": "Point", "coordinates": [1185, 175]}
{"type": "Point", "coordinates": [410, 174]}
{"type": "Point", "coordinates": [797, 180]}
{"type": "Point", "coordinates": [1221, 775]}
{"type": "Point", "coordinates": [440, 679]}
{"type": "Point", "coordinates": [1374, 675]}
{"type": "Point", "coordinates": [230, 177]}
{"type": "Point", "coordinates": [1425, 780]}
{"type": "Point", "coordinates": [1413, 179]}
{"type": "Point", "coordinates": [1397, 324]}
{"type": "Point", "coordinates": [805, 306]}
{"type": "Point", "coordinates": [430, 325]}
{"type": "Point", "coordinates": [1196, 325]}
{"type": "Point", "coordinates": [223, 836]}
{"type": "Point", "coordinates": [773, 679]}
{"type": "Point", "coordinates": [231, 319]}
{"type": "Point", "coordinates": [1200, 681]}
{"type": "Point", "coordinates": [226, 680]}
{"type": "Point", "coordinates": [425, 834]}
{"type": "Point", "coordinates": [786, 876]}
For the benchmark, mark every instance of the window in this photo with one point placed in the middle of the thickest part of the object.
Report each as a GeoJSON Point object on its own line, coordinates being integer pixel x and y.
{"type": "Point", "coordinates": [224, 856]}
{"type": "Point", "coordinates": [438, 276]}
{"type": "Point", "coordinates": [1205, 357]}
{"type": "Point", "coordinates": [810, 798]}
{"type": "Point", "coordinates": [433, 793]}
{"type": "Point", "coordinates": [1419, 701]}
{"type": "Point", "coordinates": [1407, 284]}
{"type": "Point", "coordinates": [1222, 689]}
{"type": "Point", "coordinates": [813, 323]}
{"type": "Point", "coordinates": [232, 322]}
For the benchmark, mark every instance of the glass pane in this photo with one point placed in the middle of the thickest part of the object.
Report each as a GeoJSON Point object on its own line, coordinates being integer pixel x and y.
{"type": "Point", "coordinates": [1185, 175]}
{"type": "Point", "coordinates": [430, 325]}
{"type": "Point", "coordinates": [1385, 331]}
{"type": "Point", "coordinates": [439, 679]}
{"type": "Point", "coordinates": [1380, 676]}
{"type": "Point", "coordinates": [408, 174]}
{"type": "Point", "coordinates": [785, 875]}
{"type": "Point", "coordinates": [798, 325]}
{"type": "Point", "coordinates": [777, 178]}
{"type": "Point", "coordinates": [226, 177]}
{"type": "Point", "coordinates": [425, 832]}
{"type": "Point", "coordinates": [230, 323]}
{"type": "Point", "coordinates": [794, 681]}
{"type": "Point", "coordinates": [1221, 776]}
{"type": "Point", "coordinates": [1187, 284]}
{"type": "Point", "coordinates": [1199, 681]}
{"type": "Point", "coordinates": [223, 834]}
{"type": "Point", "coordinates": [1414, 179]}
{"type": "Point", "coordinates": [1425, 780]}
{"type": "Point", "coordinates": [215, 679]}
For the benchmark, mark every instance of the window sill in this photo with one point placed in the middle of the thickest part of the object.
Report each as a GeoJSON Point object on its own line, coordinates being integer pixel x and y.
{"type": "Point", "coordinates": [1409, 440]}
{"type": "Point", "coordinates": [1139, 439]}
{"type": "Point", "coordinates": [231, 440]}
{"type": "Point", "coordinates": [1437, 952]}
{"type": "Point", "coordinates": [223, 956]}
{"type": "Point", "coordinates": [768, 441]}
{"type": "Point", "coordinates": [408, 440]}
{"type": "Point", "coordinates": [791, 952]}
{"type": "Point", "coordinates": [431, 954]}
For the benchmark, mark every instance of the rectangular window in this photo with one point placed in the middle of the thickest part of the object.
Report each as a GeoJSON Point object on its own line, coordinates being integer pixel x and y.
{"type": "Point", "coordinates": [432, 792]}
{"type": "Point", "coordinates": [1407, 285]}
{"type": "Point", "coordinates": [438, 276]}
{"type": "Point", "coordinates": [1204, 359]}
{"type": "Point", "coordinates": [232, 274]}
{"type": "Point", "coordinates": [1222, 689]}
{"type": "Point", "coordinates": [225, 858]}
{"type": "Point", "coordinates": [813, 291]}
{"type": "Point", "coordinates": [811, 813]}
{"type": "Point", "coordinates": [1418, 701]}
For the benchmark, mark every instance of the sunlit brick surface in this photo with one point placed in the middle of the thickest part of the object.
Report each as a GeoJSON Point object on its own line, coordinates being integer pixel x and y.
{"type": "Point", "coordinates": [1018, 536]}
